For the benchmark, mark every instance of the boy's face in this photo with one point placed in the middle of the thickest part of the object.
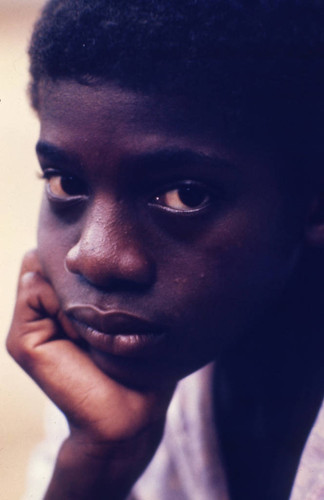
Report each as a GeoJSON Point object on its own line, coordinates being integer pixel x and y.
{"type": "Point", "coordinates": [162, 245]}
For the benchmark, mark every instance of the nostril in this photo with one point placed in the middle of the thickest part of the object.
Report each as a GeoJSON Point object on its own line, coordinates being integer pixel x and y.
{"type": "Point", "coordinates": [71, 258]}
{"type": "Point", "coordinates": [112, 267]}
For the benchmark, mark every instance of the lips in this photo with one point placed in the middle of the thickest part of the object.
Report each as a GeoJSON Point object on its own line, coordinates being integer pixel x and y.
{"type": "Point", "coordinates": [116, 332]}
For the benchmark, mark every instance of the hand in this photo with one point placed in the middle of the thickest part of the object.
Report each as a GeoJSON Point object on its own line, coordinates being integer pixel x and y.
{"type": "Point", "coordinates": [114, 429]}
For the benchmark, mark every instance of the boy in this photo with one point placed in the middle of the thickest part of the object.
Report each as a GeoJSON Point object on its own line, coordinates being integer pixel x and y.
{"type": "Point", "coordinates": [182, 224]}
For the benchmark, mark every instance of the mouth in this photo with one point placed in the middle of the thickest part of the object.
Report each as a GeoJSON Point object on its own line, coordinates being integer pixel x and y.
{"type": "Point", "coordinates": [116, 332]}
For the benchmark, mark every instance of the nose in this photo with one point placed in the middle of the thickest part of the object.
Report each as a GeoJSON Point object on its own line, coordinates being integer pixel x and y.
{"type": "Point", "coordinates": [110, 252]}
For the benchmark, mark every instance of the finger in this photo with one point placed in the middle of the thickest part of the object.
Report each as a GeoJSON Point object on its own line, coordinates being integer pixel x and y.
{"type": "Point", "coordinates": [67, 326]}
{"type": "Point", "coordinates": [34, 315]}
{"type": "Point", "coordinates": [69, 377]}
{"type": "Point", "coordinates": [31, 263]}
{"type": "Point", "coordinates": [36, 298]}
{"type": "Point", "coordinates": [38, 310]}
{"type": "Point", "coordinates": [89, 398]}
{"type": "Point", "coordinates": [100, 406]}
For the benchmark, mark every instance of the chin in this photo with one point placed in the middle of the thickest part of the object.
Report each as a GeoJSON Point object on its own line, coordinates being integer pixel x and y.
{"type": "Point", "coordinates": [134, 373]}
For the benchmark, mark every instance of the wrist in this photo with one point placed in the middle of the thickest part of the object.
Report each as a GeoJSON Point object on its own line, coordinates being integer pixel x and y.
{"type": "Point", "coordinates": [87, 469]}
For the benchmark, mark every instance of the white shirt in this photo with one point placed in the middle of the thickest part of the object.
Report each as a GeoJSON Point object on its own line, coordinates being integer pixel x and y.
{"type": "Point", "coordinates": [187, 464]}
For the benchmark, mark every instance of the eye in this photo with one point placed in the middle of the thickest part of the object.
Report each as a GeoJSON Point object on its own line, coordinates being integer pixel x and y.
{"type": "Point", "coordinates": [188, 196]}
{"type": "Point", "coordinates": [64, 187]}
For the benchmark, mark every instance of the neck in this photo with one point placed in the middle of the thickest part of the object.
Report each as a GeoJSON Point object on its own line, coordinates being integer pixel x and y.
{"type": "Point", "coordinates": [269, 389]}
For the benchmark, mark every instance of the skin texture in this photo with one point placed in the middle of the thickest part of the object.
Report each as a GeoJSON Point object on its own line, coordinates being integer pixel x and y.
{"type": "Point", "coordinates": [114, 430]}
{"type": "Point", "coordinates": [118, 234]}
{"type": "Point", "coordinates": [121, 249]}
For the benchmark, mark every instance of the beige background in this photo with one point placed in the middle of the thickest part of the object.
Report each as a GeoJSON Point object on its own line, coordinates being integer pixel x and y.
{"type": "Point", "coordinates": [21, 408]}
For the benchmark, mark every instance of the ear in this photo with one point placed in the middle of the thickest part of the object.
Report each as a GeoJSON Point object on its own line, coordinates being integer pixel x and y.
{"type": "Point", "coordinates": [315, 225]}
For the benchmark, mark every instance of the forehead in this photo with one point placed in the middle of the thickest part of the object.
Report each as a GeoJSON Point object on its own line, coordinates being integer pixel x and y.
{"type": "Point", "coordinates": [108, 114]}
{"type": "Point", "coordinates": [109, 123]}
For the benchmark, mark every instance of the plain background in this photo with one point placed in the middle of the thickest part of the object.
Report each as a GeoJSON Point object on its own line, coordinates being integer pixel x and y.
{"type": "Point", "coordinates": [22, 403]}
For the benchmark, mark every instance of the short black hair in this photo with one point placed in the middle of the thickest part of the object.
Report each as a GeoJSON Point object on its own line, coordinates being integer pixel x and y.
{"type": "Point", "coordinates": [261, 58]}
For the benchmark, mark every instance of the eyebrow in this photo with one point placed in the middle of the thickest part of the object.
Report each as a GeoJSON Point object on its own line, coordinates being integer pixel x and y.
{"type": "Point", "coordinates": [161, 158]}
{"type": "Point", "coordinates": [177, 158]}
{"type": "Point", "coordinates": [56, 155]}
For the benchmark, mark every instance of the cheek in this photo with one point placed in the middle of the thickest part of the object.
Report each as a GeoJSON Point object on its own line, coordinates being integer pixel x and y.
{"type": "Point", "coordinates": [54, 241]}
{"type": "Point", "coordinates": [224, 282]}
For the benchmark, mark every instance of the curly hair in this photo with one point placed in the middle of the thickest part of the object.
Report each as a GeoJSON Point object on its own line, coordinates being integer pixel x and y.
{"type": "Point", "coordinates": [245, 56]}
{"type": "Point", "coordinates": [162, 44]}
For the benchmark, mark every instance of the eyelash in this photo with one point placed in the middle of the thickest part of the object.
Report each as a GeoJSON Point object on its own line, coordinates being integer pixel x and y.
{"type": "Point", "coordinates": [185, 197]}
{"type": "Point", "coordinates": [81, 191]}
{"type": "Point", "coordinates": [188, 197]}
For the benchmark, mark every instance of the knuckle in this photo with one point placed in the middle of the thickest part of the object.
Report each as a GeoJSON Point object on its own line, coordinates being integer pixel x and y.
{"type": "Point", "coordinates": [30, 257]}
{"type": "Point", "coordinates": [10, 346]}
{"type": "Point", "coordinates": [28, 278]}
{"type": "Point", "coordinates": [30, 262]}
{"type": "Point", "coordinates": [29, 283]}
{"type": "Point", "coordinates": [25, 359]}
{"type": "Point", "coordinates": [20, 350]}
{"type": "Point", "coordinates": [13, 347]}
{"type": "Point", "coordinates": [30, 254]}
